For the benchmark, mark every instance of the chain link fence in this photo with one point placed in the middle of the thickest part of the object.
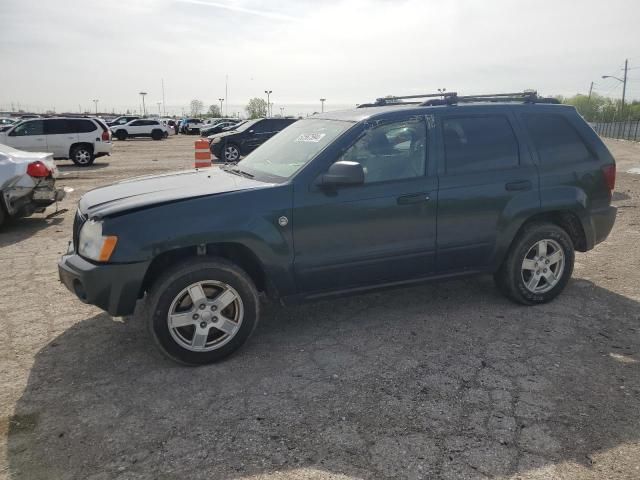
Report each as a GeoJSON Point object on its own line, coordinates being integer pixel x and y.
{"type": "Point", "coordinates": [629, 130]}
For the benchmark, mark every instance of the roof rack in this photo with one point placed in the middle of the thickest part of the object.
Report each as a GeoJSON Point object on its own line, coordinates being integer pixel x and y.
{"type": "Point", "coordinates": [452, 98]}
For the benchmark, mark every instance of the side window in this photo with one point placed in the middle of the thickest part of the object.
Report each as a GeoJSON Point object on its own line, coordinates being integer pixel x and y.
{"type": "Point", "coordinates": [82, 126]}
{"type": "Point", "coordinates": [137, 123]}
{"type": "Point", "coordinates": [152, 122]}
{"type": "Point", "coordinates": [261, 127]}
{"type": "Point", "coordinates": [555, 139]}
{"type": "Point", "coordinates": [57, 126]}
{"type": "Point", "coordinates": [34, 127]}
{"type": "Point", "coordinates": [478, 144]}
{"type": "Point", "coordinates": [391, 152]}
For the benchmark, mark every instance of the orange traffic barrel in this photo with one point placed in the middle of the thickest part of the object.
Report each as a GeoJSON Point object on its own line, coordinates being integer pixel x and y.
{"type": "Point", "coordinates": [203, 155]}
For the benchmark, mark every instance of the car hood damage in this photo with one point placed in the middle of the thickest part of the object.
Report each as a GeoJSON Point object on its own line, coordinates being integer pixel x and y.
{"type": "Point", "coordinates": [143, 192]}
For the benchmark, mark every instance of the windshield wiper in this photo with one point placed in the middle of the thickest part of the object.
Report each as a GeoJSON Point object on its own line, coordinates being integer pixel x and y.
{"type": "Point", "coordinates": [237, 171]}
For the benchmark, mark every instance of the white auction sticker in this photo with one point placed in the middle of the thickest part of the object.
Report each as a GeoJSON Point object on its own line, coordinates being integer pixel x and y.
{"type": "Point", "coordinates": [310, 137]}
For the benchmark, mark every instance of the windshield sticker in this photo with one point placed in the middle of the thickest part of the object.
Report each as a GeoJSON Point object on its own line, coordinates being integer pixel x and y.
{"type": "Point", "coordinates": [310, 137]}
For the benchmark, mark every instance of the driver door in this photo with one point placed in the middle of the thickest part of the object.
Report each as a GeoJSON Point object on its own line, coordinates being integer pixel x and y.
{"type": "Point", "coordinates": [381, 231]}
{"type": "Point", "coordinates": [29, 136]}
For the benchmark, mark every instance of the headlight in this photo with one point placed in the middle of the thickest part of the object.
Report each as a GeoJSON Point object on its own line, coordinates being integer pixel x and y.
{"type": "Point", "coordinates": [93, 245]}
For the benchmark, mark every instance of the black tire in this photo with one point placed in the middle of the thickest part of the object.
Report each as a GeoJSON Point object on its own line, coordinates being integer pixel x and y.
{"type": "Point", "coordinates": [156, 134]}
{"type": "Point", "coordinates": [3, 214]}
{"type": "Point", "coordinates": [170, 285]}
{"type": "Point", "coordinates": [121, 135]}
{"type": "Point", "coordinates": [82, 155]}
{"type": "Point", "coordinates": [510, 278]}
{"type": "Point", "coordinates": [227, 152]}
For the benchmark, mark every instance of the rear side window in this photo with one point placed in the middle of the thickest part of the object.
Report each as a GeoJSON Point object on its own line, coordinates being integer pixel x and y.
{"type": "Point", "coordinates": [475, 144]}
{"type": "Point", "coordinates": [555, 139]}
{"type": "Point", "coordinates": [56, 126]}
{"type": "Point", "coordinates": [82, 126]}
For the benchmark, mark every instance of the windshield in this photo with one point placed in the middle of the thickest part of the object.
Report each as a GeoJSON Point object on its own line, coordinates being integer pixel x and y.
{"type": "Point", "coordinates": [288, 151]}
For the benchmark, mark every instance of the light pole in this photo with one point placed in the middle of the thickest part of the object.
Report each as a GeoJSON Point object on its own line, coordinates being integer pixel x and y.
{"type": "Point", "coordinates": [159, 111]}
{"type": "Point", "coordinates": [622, 80]}
{"type": "Point", "coordinates": [282, 112]}
{"type": "Point", "coordinates": [95, 101]}
{"type": "Point", "coordinates": [221, 100]}
{"type": "Point", "coordinates": [268, 92]}
{"type": "Point", "coordinates": [144, 109]}
{"type": "Point", "coordinates": [322, 100]}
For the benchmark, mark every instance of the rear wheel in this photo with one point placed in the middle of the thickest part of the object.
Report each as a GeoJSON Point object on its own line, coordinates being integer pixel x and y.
{"type": "Point", "coordinates": [156, 134]}
{"type": "Point", "coordinates": [202, 311]}
{"type": "Point", "coordinates": [121, 135]}
{"type": "Point", "coordinates": [82, 155]}
{"type": "Point", "coordinates": [538, 266]}
{"type": "Point", "coordinates": [231, 153]}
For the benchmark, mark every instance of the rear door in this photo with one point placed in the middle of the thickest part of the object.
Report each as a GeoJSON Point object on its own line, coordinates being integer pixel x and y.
{"type": "Point", "coordinates": [485, 174]}
{"type": "Point", "coordinates": [28, 135]}
{"type": "Point", "coordinates": [136, 127]}
{"type": "Point", "coordinates": [60, 136]}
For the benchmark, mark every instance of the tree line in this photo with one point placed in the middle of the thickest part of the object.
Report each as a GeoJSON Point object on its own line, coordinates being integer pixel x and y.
{"type": "Point", "coordinates": [256, 108]}
{"type": "Point", "coordinates": [603, 109]}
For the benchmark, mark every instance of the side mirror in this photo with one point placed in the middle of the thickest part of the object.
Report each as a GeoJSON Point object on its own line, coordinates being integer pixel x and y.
{"type": "Point", "coordinates": [342, 173]}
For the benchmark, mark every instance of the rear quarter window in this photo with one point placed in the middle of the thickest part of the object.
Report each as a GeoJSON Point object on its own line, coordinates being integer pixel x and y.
{"type": "Point", "coordinates": [479, 143]}
{"type": "Point", "coordinates": [82, 126]}
{"type": "Point", "coordinates": [555, 139]}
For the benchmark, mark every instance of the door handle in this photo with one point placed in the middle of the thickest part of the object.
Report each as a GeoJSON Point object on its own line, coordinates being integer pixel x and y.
{"type": "Point", "coordinates": [413, 199]}
{"type": "Point", "coordinates": [518, 185]}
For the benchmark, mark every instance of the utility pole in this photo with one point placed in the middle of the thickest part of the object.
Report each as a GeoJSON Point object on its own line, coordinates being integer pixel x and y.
{"type": "Point", "coordinates": [268, 92]}
{"type": "Point", "coordinates": [144, 109]}
{"type": "Point", "coordinates": [282, 112]}
{"type": "Point", "coordinates": [226, 95]}
{"type": "Point", "coordinates": [164, 105]}
{"type": "Point", "coordinates": [624, 84]}
{"type": "Point", "coordinates": [590, 90]}
{"type": "Point", "coordinates": [221, 100]}
{"type": "Point", "coordinates": [159, 111]}
{"type": "Point", "coordinates": [322, 100]}
{"type": "Point", "coordinates": [95, 101]}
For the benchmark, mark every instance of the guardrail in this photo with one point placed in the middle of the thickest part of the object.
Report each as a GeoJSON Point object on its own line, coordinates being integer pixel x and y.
{"type": "Point", "coordinates": [629, 130]}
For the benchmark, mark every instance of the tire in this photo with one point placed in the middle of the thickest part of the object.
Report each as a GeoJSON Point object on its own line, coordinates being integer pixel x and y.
{"type": "Point", "coordinates": [230, 152]}
{"type": "Point", "coordinates": [170, 295]}
{"type": "Point", "coordinates": [549, 254]}
{"type": "Point", "coordinates": [156, 134]}
{"type": "Point", "coordinates": [3, 215]}
{"type": "Point", "coordinates": [121, 135]}
{"type": "Point", "coordinates": [82, 155]}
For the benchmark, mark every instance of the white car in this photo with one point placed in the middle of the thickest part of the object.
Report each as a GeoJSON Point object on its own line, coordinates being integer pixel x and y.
{"type": "Point", "coordinates": [27, 182]}
{"type": "Point", "coordinates": [142, 127]}
{"type": "Point", "coordinates": [81, 140]}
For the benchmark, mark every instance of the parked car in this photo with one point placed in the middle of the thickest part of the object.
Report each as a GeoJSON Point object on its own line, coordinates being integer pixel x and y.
{"type": "Point", "coordinates": [143, 127]}
{"type": "Point", "coordinates": [216, 128]}
{"type": "Point", "coordinates": [122, 120]}
{"type": "Point", "coordinates": [81, 140]}
{"type": "Point", "coordinates": [231, 145]}
{"type": "Point", "coordinates": [27, 183]}
{"type": "Point", "coordinates": [373, 197]}
{"type": "Point", "coordinates": [170, 124]}
{"type": "Point", "coordinates": [7, 121]}
{"type": "Point", "coordinates": [191, 126]}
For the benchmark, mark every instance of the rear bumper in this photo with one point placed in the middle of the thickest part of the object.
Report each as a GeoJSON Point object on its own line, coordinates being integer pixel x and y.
{"type": "Point", "coordinates": [602, 221]}
{"type": "Point", "coordinates": [112, 287]}
{"type": "Point", "coordinates": [102, 148]}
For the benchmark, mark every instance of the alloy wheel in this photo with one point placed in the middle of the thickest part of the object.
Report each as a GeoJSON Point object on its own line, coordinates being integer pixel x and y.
{"type": "Point", "coordinates": [543, 266]}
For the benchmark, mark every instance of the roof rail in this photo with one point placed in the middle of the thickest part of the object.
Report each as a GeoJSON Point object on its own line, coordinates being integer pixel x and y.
{"type": "Point", "coordinates": [452, 98]}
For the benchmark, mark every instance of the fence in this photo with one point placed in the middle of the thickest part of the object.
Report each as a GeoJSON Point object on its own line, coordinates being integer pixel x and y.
{"type": "Point", "coordinates": [629, 130]}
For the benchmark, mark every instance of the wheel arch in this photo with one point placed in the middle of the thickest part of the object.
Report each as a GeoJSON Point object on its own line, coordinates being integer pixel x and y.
{"type": "Point", "coordinates": [239, 254]}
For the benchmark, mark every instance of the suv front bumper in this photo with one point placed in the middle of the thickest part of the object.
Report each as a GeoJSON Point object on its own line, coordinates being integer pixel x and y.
{"type": "Point", "coordinates": [112, 287]}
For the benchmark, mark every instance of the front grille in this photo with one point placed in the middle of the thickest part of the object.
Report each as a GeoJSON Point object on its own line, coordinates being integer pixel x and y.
{"type": "Point", "coordinates": [78, 221]}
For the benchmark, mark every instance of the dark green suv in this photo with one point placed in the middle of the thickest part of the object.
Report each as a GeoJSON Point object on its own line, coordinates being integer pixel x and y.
{"type": "Point", "coordinates": [394, 193]}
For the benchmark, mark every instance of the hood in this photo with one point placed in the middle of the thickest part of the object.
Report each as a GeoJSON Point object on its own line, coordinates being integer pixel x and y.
{"type": "Point", "coordinates": [222, 134]}
{"type": "Point", "coordinates": [147, 191]}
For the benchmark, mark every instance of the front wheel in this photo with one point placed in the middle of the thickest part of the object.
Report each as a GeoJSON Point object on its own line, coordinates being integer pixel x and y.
{"type": "Point", "coordinates": [202, 311]}
{"type": "Point", "coordinates": [156, 135]}
{"type": "Point", "coordinates": [121, 135]}
{"type": "Point", "coordinates": [538, 266]}
{"type": "Point", "coordinates": [231, 153]}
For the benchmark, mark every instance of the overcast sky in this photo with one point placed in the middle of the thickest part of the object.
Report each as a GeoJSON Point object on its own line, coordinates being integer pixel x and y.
{"type": "Point", "coordinates": [64, 53]}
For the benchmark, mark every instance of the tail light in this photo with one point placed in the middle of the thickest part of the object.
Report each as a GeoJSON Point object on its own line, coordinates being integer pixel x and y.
{"type": "Point", "coordinates": [609, 172]}
{"type": "Point", "coordinates": [106, 136]}
{"type": "Point", "coordinates": [38, 170]}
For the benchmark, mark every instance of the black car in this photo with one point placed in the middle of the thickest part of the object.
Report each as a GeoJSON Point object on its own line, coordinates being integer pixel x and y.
{"type": "Point", "coordinates": [343, 202]}
{"type": "Point", "coordinates": [217, 127]}
{"type": "Point", "coordinates": [230, 146]}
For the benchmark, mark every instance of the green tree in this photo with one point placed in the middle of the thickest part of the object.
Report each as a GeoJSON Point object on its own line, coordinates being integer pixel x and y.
{"type": "Point", "coordinates": [256, 108]}
{"type": "Point", "coordinates": [214, 111]}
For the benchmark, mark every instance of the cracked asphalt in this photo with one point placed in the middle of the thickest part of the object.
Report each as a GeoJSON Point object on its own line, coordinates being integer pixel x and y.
{"type": "Point", "coordinates": [445, 380]}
